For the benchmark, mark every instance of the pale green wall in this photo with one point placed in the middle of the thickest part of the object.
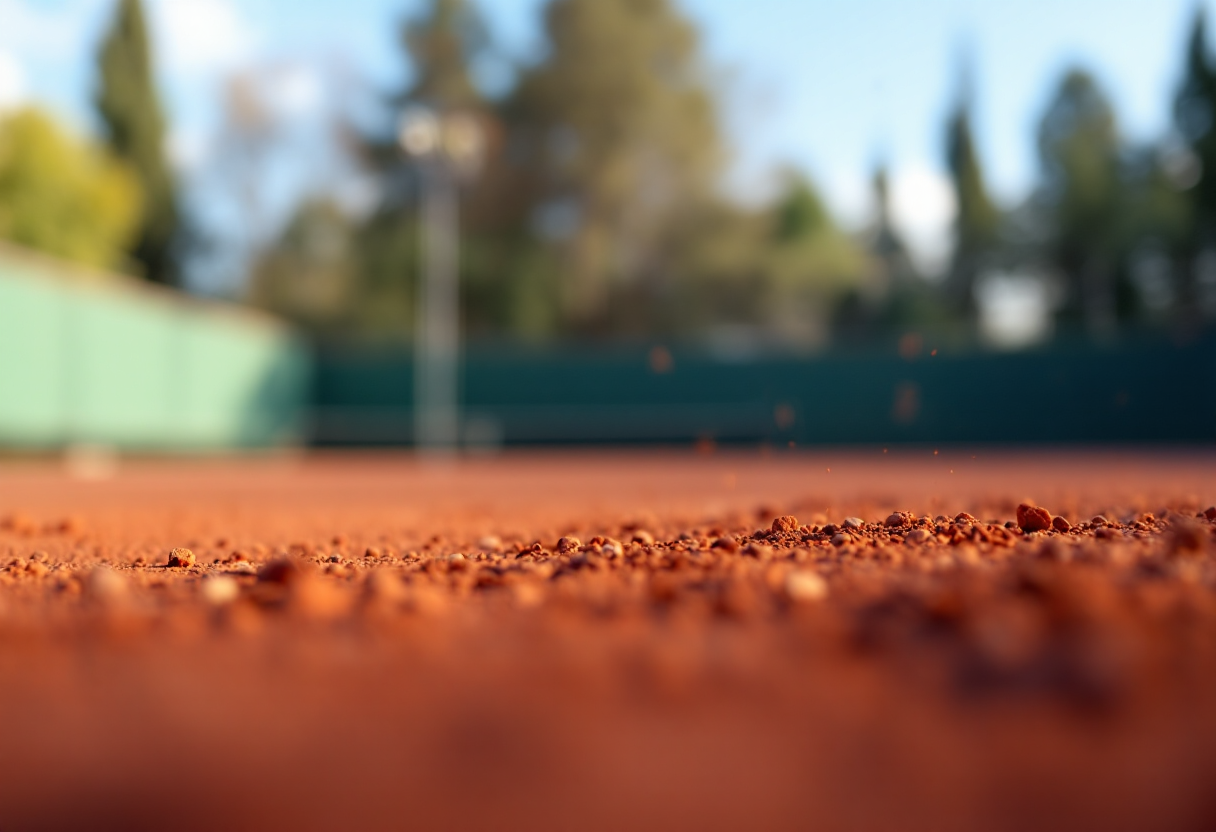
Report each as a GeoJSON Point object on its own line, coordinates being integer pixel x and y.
{"type": "Point", "coordinates": [95, 358]}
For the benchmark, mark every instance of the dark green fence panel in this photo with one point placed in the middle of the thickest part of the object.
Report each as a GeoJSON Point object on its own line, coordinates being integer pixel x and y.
{"type": "Point", "coordinates": [1141, 389]}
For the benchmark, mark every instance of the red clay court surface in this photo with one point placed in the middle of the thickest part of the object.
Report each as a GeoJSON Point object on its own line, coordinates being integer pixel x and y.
{"type": "Point", "coordinates": [603, 640]}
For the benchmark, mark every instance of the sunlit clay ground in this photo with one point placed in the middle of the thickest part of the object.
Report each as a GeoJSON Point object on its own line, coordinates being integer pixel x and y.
{"type": "Point", "coordinates": [978, 640]}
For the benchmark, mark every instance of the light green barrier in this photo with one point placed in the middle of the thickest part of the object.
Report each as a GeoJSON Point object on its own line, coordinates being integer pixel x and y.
{"type": "Point", "coordinates": [88, 358]}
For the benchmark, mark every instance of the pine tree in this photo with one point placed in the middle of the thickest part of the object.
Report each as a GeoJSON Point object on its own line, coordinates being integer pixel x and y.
{"type": "Point", "coordinates": [976, 219]}
{"type": "Point", "coordinates": [134, 126]}
{"type": "Point", "coordinates": [1195, 120]}
{"type": "Point", "coordinates": [621, 132]}
{"type": "Point", "coordinates": [1082, 197]}
{"type": "Point", "coordinates": [442, 45]}
{"type": "Point", "coordinates": [886, 243]}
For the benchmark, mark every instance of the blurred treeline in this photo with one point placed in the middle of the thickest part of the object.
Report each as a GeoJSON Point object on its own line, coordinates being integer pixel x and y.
{"type": "Point", "coordinates": [599, 210]}
{"type": "Point", "coordinates": [112, 204]}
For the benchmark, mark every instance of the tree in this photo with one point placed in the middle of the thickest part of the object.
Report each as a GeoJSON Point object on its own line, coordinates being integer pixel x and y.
{"type": "Point", "coordinates": [306, 275]}
{"type": "Point", "coordinates": [442, 44]}
{"type": "Point", "coordinates": [134, 128]}
{"type": "Point", "coordinates": [799, 213]}
{"type": "Point", "coordinates": [891, 295]}
{"type": "Point", "coordinates": [808, 264]}
{"type": "Point", "coordinates": [886, 244]}
{"type": "Point", "coordinates": [619, 133]}
{"type": "Point", "coordinates": [1157, 239]}
{"type": "Point", "coordinates": [596, 210]}
{"type": "Point", "coordinates": [1195, 122]}
{"type": "Point", "coordinates": [771, 274]}
{"type": "Point", "coordinates": [976, 221]}
{"type": "Point", "coordinates": [63, 196]}
{"type": "Point", "coordinates": [1081, 197]}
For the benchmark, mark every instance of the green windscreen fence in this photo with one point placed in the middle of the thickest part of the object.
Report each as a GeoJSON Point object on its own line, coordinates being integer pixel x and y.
{"type": "Point", "coordinates": [1141, 388]}
{"type": "Point", "coordinates": [92, 358]}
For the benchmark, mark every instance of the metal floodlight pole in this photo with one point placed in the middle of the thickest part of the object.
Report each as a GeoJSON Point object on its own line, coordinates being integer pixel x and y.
{"type": "Point", "coordinates": [437, 336]}
{"type": "Point", "coordinates": [423, 136]}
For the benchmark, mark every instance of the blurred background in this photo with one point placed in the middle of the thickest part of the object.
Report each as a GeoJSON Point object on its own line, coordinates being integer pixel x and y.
{"type": "Point", "coordinates": [464, 223]}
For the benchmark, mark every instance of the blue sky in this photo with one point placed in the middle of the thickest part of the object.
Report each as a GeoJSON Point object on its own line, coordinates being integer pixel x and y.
{"type": "Point", "coordinates": [828, 86]}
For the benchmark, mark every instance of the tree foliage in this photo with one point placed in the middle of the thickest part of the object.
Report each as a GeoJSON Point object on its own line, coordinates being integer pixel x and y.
{"type": "Point", "coordinates": [976, 221]}
{"type": "Point", "coordinates": [1082, 195]}
{"type": "Point", "coordinates": [443, 43]}
{"type": "Point", "coordinates": [597, 211]}
{"type": "Point", "coordinates": [619, 131]}
{"type": "Point", "coordinates": [307, 275]}
{"type": "Point", "coordinates": [134, 127]}
{"type": "Point", "coordinates": [1195, 117]}
{"type": "Point", "coordinates": [63, 196]}
{"type": "Point", "coordinates": [1195, 122]}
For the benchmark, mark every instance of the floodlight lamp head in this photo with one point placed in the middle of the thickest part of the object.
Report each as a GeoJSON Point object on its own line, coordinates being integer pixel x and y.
{"type": "Point", "coordinates": [419, 132]}
{"type": "Point", "coordinates": [463, 143]}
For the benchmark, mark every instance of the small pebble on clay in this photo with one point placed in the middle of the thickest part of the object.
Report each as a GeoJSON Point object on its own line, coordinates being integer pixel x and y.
{"type": "Point", "coordinates": [181, 558]}
{"type": "Point", "coordinates": [1033, 518]}
{"type": "Point", "coordinates": [785, 523]}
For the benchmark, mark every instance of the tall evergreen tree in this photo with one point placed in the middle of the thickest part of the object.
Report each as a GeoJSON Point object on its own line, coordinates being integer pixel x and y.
{"type": "Point", "coordinates": [1195, 121]}
{"type": "Point", "coordinates": [976, 218]}
{"type": "Point", "coordinates": [620, 130]}
{"type": "Point", "coordinates": [442, 44]}
{"type": "Point", "coordinates": [886, 243]}
{"type": "Point", "coordinates": [135, 130]}
{"type": "Point", "coordinates": [1082, 197]}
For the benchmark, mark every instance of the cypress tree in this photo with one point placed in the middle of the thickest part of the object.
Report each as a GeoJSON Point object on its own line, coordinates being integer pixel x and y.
{"type": "Point", "coordinates": [134, 127]}
{"type": "Point", "coordinates": [442, 43]}
{"type": "Point", "coordinates": [1083, 197]}
{"type": "Point", "coordinates": [1195, 120]}
{"type": "Point", "coordinates": [886, 243]}
{"type": "Point", "coordinates": [976, 219]}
